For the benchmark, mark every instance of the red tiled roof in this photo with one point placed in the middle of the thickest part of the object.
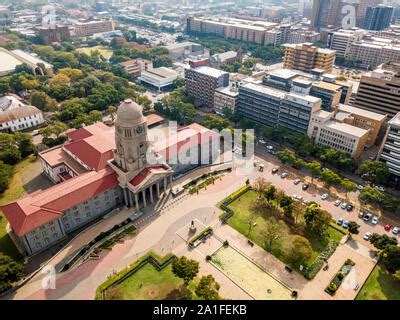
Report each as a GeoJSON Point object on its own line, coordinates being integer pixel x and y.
{"type": "Point", "coordinates": [185, 139]}
{"type": "Point", "coordinates": [44, 206]}
{"type": "Point", "coordinates": [138, 179]}
{"type": "Point", "coordinates": [153, 118]}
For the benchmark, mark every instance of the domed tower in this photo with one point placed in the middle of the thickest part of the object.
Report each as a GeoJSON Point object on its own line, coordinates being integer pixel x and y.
{"type": "Point", "coordinates": [130, 137]}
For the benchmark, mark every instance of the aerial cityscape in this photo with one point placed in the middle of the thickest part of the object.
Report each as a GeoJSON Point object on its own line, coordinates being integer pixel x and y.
{"type": "Point", "coordinates": [200, 150]}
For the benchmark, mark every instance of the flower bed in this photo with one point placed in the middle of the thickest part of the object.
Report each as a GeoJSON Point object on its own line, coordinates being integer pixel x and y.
{"type": "Point", "coordinates": [314, 268]}
{"type": "Point", "coordinates": [194, 242]}
{"type": "Point", "coordinates": [339, 277]}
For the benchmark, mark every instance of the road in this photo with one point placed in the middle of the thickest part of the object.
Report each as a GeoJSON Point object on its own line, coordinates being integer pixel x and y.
{"type": "Point", "coordinates": [314, 194]}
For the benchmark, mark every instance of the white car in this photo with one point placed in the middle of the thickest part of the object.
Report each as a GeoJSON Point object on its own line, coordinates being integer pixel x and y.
{"type": "Point", "coordinates": [343, 205]}
{"type": "Point", "coordinates": [381, 189]}
{"type": "Point", "coordinates": [298, 198]}
{"type": "Point", "coordinates": [337, 203]}
{"type": "Point", "coordinates": [367, 235]}
{"type": "Point", "coordinates": [395, 230]}
{"type": "Point", "coordinates": [296, 182]}
{"type": "Point", "coordinates": [324, 196]}
{"type": "Point", "coordinates": [262, 141]}
{"type": "Point", "coordinates": [374, 220]}
{"type": "Point", "coordinates": [284, 175]}
{"type": "Point", "coordinates": [270, 148]}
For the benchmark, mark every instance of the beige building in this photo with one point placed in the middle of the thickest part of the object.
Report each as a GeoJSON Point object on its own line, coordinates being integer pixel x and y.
{"type": "Point", "coordinates": [306, 57]}
{"type": "Point", "coordinates": [329, 93]}
{"type": "Point", "coordinates": [84, 29]}
{"type": "Point", "coordinates": [135, 67]}
{"type": "Point", "coordinates": [225, 97]}
{"type": "Point", "coordinates": [326, 130]}
{"type": "Point", "coordinates": [379, 90]}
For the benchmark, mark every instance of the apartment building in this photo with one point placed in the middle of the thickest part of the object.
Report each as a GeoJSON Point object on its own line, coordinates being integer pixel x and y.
{"type": "Point", "coordinates": [135, 67]}
{"type": "Point", "coordinates": [341, 40]}
{"type": "Point", "coordinates": [326, 130]}
{"type": "Point", "coordinates": [84, 29]}
{"type": "Point", "coordinates": [272, 107]}
{"type": "Point", "coordinates": [329, 93]}
{"type": "Point", "coordinates": [306, 57]}
{"type": "Point", "coordinates": [225, 98]}
{"type": "Point", "coordinates": [52, 34]}
{"type": "Point", "coordinates": [201, 82]}
{"type": "Point", "coordinates": [390, 150]}
{"type": "Point", "coordinates": [379, 90]}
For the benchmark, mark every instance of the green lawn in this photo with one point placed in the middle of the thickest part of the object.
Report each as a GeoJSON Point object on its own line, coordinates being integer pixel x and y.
{"type": "Point", "coordinates": [243, 213]}
{"type": "Point", "coordinates": [105, 52]}
{"type": "Point", "coordinates": [380, 285]}
{"type": "Point", "coordinates": [14, 191]}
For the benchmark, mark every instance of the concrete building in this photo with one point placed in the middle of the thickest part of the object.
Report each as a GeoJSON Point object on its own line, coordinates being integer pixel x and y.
{"type": "Point", "coordinates": [100, 170]}
{"type": "Point", "coordinates": [390, 150]}
{"type": "Point", "coordinates": [201, 83]}
{"type": "Point", "coordinates": [17, 116]}
{"type": "Point", "coordinates": [326, 130]}
{"type": "Point", "coordinates": [9, 60]}
{"type": "Point", "coordinates": [161, 78]}
{"type": "Point", "coordinates": [85, 29]}
{"type": "Point", "coordinates": [341, 40]}
{"type": "Point", "coordinates": [135, 67]}
{"type": "Point", "coordinates": [272, 107]}
{"type": "Point", "coordinates": [379, 90]}
{"type": "Point", "coordinates": [219, 59]}
{"type": "Point", "coordinates": [329, 93]}
{"type": "Point", "coordinates": [225, 97]}
{"type": "Point", "coordinates": [186, 50]}
{"type": "Point", "coordinates": [378, 18]}
{"type": "Point", "coordinates": [306, 57]}
{"type": "Point", "coordinates": [52, 34]}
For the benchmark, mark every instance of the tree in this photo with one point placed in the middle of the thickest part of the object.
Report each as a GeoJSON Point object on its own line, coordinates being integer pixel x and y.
{"type": "Point", "coordinates": [330, 178]}
{"type": "Point", "coordinates": [208, 288]}
{"type": "Point", "coordinates": [24, 143]}
{"type": "Point", "coordinates": [301, 251]}
{"type": "Point", "coordinates": [286, 156]}
{"type": "Point", "coordinates": [375, 172]}
{"type": "Point", "coordinates": [95, 116]}
{"type": "Point", "coordinates": [391, 258]}
{"type": "Point", "coordinates": [10, 272]}
{"type": "Point", "coordinates": [112, 110]}
{"type": "Point", "coordinates": [316, 219]}
{"type": "Point", "coordinates": [315, 169]}
{"type": "Point", "coordinates": [353, 227]}
{"type": "Point", "coordinates": [185, 269]}
{"type": "Point", "coordinates": [272, 232]}
{"type": "Point", "coordinates": [382, 241]}
{"type": "Point", "coordinates": [270, 192]}
{"type": "Point", "coordinates": [260, 185]}
{"type": "Point", "coordinates": [145, 102]}
{"type": "Point", "coordinates": [162, 61]}
{"type": "Point", "coordinates": [42, 101]}
{"type": "Point", "coordinates": [6, 172]}
{"type": "Point", "coordinates": [348, 186]}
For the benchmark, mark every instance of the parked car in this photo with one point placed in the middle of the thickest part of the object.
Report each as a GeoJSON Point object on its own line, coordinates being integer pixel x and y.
{"type": "Point", "coordinates": [324, 196]}
{"type": "Point", "coordinates": [349, 207]}
{"type": "Point", "coordinates": [305, 186]}
{"type": "Point", "coordinates": [388, 227]}
{"type": "Point", "coordinates": [380, 188]}
{"type": "Point", "coordinates": [346, 224]}
{"type": "Point", "coordinates": [271, 152]}
{"type": "Point", "coordinates": [367, 216]}
{"type": "Point", "coordinates": [274, 170]}
{"type": "Point", "coordinates": [343, 205]}
{"type": "Point", "coordinates": [270, 148]}
{"type": "Point", "coordinates": [35, 132]}
{"type": "Point", "coordinates": [361, 214]}
{"type": "Point", "coordinates": [396, 230]}
{"type": "Point", "coordinates": [360, 187]}
{"type": "Point", "coordinates": [284, 175]}
{"type": "Point", "coordinates": [367, 235]}
{"type": "Point", "coordinates": [337, 203]}
{"type": "Point", "coordinates": [374, 220]}
{"type": "Point", "coordinates": [296, 181]}
{"type": "Point", "coordinates": [262, 141]}
{"type": "Point", "coordinates": [340, 221]}
{"type": "Point", "coordinates": [298, 198]}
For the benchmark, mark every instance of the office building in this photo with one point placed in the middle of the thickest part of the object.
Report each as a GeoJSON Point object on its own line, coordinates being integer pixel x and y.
{"type": "Point", "coordinates": [379, 90]}
{"type": "Point", "coordinates": [390, 150]}
{"type": "Point", "coordinates": [160, 78]}
{"type": "Point", "coordinates": [329, 93]}
{"type": "Point", "coordinates": [272, 107]}
{"type": "Point", "coordinates": [135, 67]}
{"type": "Point", "coordinates": [306, 57]}
{"type": "Point", "coordinates": [341, 40]}
{"type": "Point", "coordinates": [85, 29]}
{"type": "Point", "coordinates": [201, 83]}
{"type": "Point", "coordinates": [186, 50]}
{"type": "Point", "coordinates": [53, 34]}
{"type": "Point", "coordinates": [225, 98]}
{"type": "Point", "coordinates": [378, 18]}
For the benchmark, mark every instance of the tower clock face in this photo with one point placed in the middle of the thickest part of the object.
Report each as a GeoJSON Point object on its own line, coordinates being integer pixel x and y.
{"type": "Point", "coordinates": [139, 130]}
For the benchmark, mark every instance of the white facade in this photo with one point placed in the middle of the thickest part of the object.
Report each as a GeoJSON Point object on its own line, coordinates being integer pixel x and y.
{"type": "Point", "coordinates": [159, 77]}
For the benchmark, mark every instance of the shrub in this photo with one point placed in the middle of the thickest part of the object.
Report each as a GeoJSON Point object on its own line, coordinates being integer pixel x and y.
{"type": "Point", "coordinates": [208, 258]}
{"type": "Point", "coordinates": [226, 243]}
{"type": "Point", "coordinates": [332, 287]}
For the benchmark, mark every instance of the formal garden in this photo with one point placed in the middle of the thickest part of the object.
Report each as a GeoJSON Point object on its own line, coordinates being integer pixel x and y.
{"type": "Point", "coordinates": [302, 236]}
{"type": "Point", "coordinates": [156, 278]}
{"type": "Point", "coordinates": [250, 277]}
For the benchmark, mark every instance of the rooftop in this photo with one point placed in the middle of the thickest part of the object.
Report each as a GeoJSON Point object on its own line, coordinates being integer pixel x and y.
{"type": "Point", "coordinates": [212, 72]}
{"type": "Point", "coordinates": [361, 112]}
{"type": "Point", "coordinates": [228, 91]}
{"type": "Point", "coordinates": [326, 86]}
{"type": "Point", "coordinates": [346, 128]}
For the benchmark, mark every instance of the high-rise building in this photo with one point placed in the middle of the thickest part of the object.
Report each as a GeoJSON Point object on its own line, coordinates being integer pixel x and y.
{"type": "Point", "coordinates": [324, 13]}
{"type": "Point", "coordinates": [390, 150]}
{"type": "Point", "coordinates": [84, 29]}
{"type": "Point", "coordinates": [306, 57]}
{"type": "Point", "coordinates": [378, 18]}
{"type": "Point", "coordinates": [201, 83]}
{"type": "Point", "coordinates": [379, 90]}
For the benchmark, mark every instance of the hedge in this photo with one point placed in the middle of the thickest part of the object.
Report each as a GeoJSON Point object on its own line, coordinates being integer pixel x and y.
{"type": "Point", "coordinates": [339, 277]}
{"type": "Point", "coordinates": [151, 257]}
{"type": "Point", "coordinates": [314, 268]}
{"type": "Point", "coordinates": [201, 235]}
{"type": "Point", "coordinates": [228, 212]}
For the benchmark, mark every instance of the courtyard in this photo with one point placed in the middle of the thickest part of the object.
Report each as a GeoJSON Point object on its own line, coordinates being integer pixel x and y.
{"type": "Point", "coordinates": [251, 222]}
{"type": "Point", "coordinates": [250, 277]}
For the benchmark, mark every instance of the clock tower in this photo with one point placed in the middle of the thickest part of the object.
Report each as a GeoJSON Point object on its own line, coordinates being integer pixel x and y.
{"type": "Point", "coordinates": [130, 137]}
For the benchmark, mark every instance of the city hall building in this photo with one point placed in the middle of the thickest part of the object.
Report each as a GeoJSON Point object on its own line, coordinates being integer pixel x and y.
{"type": "Point", "coordinates": [99, 169]}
